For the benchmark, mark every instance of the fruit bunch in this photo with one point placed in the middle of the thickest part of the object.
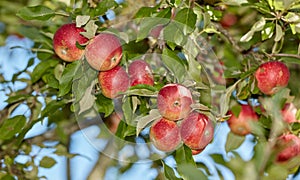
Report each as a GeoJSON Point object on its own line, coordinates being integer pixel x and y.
{"type": "Point", "coordinates": [179, 123]}
{"type": "Point", "coordinates": [103, 53]}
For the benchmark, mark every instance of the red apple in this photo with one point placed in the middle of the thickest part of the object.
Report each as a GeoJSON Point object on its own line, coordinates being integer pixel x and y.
{"type": "Point", "coordinates": [174, 101]}
{"type": "Point", "coordinates": [289, 145]}
{"type": "Point", "coordinates": [165, 135]}
{"type": "Point", "coordinates": [140, 72]}
{"type": "Point", "coordinates": [155, 32]}
{"type": "Point", "coordinates": [196, 131]}
{"type": "Point", "coordinates": [64, 42]}
{"type": "Point", "coordinates": [272, 76]}
{"type": "Point", "coordinates": [228, 20]}
{"type": "Point", "coordinates": [113, 81]}
{"type": "Point", "coordinates": [289, 113]}
{"type": "Point", "coordinates": [195, 151]}
{"type": "Point", "coordinates": [240, 124]}
{"type": "Point", "coordinates": [104, 52]}
{"type": "Point", "coordinates": [112, 122]}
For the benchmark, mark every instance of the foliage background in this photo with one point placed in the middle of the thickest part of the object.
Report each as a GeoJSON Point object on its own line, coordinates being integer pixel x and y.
{"type": "Point", "coordinates": [264, 30]}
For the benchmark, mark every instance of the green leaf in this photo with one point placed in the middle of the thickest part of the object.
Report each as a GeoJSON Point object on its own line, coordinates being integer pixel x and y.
{"type": "Point", "coordinates": [128, 111]}
{"type": "Point", "coordinates": [47, 162]}
{"type": "Point", "coordinates": [218, 158]}
{"type": "Point", "coordinates": [39, 12]}
{"type": "Point", "coordinates": [104, 105]}
{"type": "Point", "coordinates": [147, 24]}
{"type": "Point", "coordinates": [90, 29]}
{"type": "Point", "coordinates": [65, 82]}
{"type": "Point", "coordinates": [190, 172]}
{"type": "Point", "coordinates": [279, 33]}
{"type": "Point", "coordinates": [142, 90]}
{"type": "Point", "coordinates": [233, 141]}
{"type": "Point", "coordinates": [279, 5]}
{"type": "Point", "coordinates": [268, 31]}
{"type": "Point", "coordinates": [145, 12]}
{"type": "Point", "coordinates": [17, 98]}
{"type": "Point", "coordinates": [169, 172]}
{"type": "Point", "coordinates": [103, 6]}
{"type": "Point", "coordinates": [82, 20]}
{"type": "Point", "coordinates": [12, 126]}
{"type": "Point", "coordinates": [225, 98]}
{"type": "Point", "coordinates": [247, 37]}
{"type": "Point", "coordinates": [88, 99]}
{"type": "Point", "coordinates": [188, 19]}
{"type": "Point", "coordinates": [143, 121]}
{"type": "Point", "coordinates": [52, 107]}
{"type": "Point", "coordinates": [184, 155]}
{"type": "Point", "coordinates": [259, 25]}
{"type": "Point", "coordinates": [41, 68]}
{"type": "Point", "coordinates": [174, 33]}
{"type": "Point", "coordinates": [174, 64]}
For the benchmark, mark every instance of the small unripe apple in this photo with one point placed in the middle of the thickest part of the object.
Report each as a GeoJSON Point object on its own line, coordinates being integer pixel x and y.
{"type": "Point", "coordinates": [174, 101]}
{"type": "Point", "coordinates": [104, 52]}
{"type": "Point", "coordinates": [165, 135]}
{"type": "Point", "coordinates": [240, 124]}
{"type": "Point", "coordinates": [289, 145]}
{"type": "Point", "coordinates": [289, 112]}
{"type": "Point", "coordinates": [272, 76]}
{"type": "Point", "coordinates": [113, 81]}
{"type": "Point", "coordinates": [196, 131]}
{"type": "Point", "coordinates": [140, 72]}
{"type": "Point", "coordinates": [64, 42]}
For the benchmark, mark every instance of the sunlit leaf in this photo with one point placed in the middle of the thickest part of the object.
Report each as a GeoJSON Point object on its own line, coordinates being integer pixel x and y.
{"type": "Point", "coordinates": [174, 64]}
{"type": "Point", "coordinates": [233, 141]}
{"type": "Point", "coordinates": [41, 68]}
{"type": "Point", "coordinates": [36, 13]}
{"type": "Point", "coordinates": [12, 126]}
{"type": "Point", "coordinates": [169, 172]}
{"type": "Point", "coordinates": [47, 162]}
{"type": "Point", "coordinates": [143, 121]}
{"type": "Point", "coordinates": [189, 171]}
{"type": "Point", "coordinates": [188, 19]}
{"type": "Point", "coordinates": [65, 82]}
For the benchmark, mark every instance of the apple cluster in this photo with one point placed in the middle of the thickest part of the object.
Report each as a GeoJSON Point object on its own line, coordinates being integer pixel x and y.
{"type": "Point", "coordinates": [112, 77]}
{"type": "Point", "coordinates": [179, 123]}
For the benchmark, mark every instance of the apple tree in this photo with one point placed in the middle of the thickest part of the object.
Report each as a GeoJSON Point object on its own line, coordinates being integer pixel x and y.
{"type": "Point", "coordinates": [159, 79]}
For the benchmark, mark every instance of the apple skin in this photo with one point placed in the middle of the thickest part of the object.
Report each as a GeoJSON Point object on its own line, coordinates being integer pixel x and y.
{"type": "Point", "coordinates": [174, 101]}
{"type": "Point", "coordinates": [113, 81]}
{"type": "Point", "coordinates": [272, 76]}
{"type": "Point", "coordinates": [288, 113]}
{"type": "Point", "coordinates": [289, 145]}
{"type": "Point", "coordinates": [64, 42]}
{"type": "Point", "coordinates": [196, 151]}
{"type": "Point", "coordinates": [165, 135]}
{"type": "Point", "coordinates": [228, 20]}
{"type": "Point", "coordinates": [112, 121]}
{"type": "Point", "coordinates": [104, 52]}
{"type": "Point", "coordinates": [196, 131]}
{"type": "Point", "coordinates": [155, 32]}
{"type": "Point", "coordinates": [140, 72]}
{"type": "Point", "coordinates": [241, 125]}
